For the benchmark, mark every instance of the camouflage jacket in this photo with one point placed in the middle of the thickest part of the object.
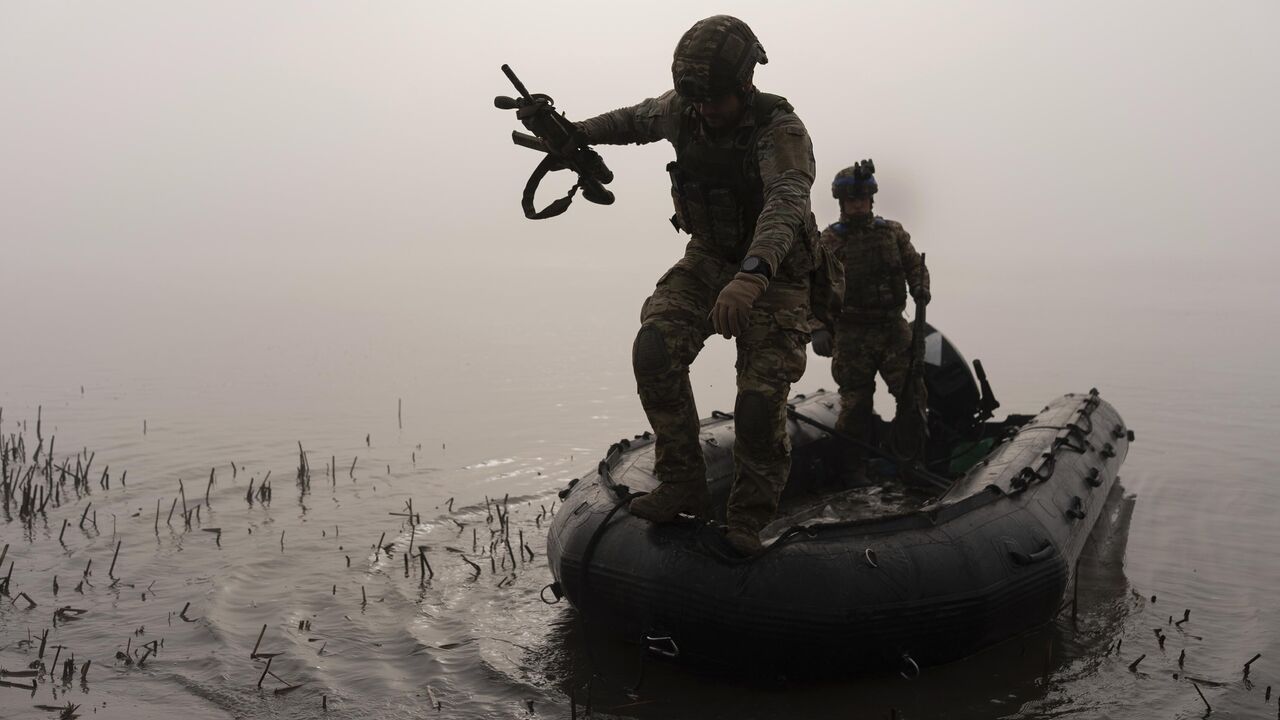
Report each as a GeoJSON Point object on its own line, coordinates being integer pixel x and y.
{"type": "Point", "coordinates": [879, 264]}
{"type": "Point", "coordinates": [782, 156]}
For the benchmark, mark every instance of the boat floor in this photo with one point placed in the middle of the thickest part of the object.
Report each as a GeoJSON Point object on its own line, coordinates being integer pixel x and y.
{"type": "Point", "coordinates": [883, 496]}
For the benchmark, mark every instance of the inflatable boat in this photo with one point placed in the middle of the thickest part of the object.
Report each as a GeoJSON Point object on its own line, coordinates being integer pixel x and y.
{"type": "Point", "coordinates": [888, 576]}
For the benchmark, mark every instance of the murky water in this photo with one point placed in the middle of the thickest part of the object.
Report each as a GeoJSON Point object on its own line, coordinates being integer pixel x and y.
{"type": "Point", "coordinates": [354, 629]}
{"type": "Point", "coordinates": [227, 230]}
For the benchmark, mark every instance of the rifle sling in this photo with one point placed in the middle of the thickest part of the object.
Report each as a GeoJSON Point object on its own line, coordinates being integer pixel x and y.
{"type": "Point", "coordinates": [548, 164]}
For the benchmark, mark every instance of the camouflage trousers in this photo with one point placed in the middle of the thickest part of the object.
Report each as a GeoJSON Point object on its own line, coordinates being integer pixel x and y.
{"type": "Point", "coordinates": [859, 352]}
{"type": "Point", "coordinates": [771, 355]}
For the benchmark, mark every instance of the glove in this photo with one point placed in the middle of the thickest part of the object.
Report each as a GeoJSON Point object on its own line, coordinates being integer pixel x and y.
{"type": "Point", "coordinates": [733, 306]}
{"type": "Point", "coordinates": [921, 294]}
{"type": "Point", "coordinates": [822, 342]}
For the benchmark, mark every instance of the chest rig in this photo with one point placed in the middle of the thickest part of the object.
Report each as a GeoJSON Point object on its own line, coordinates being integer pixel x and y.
{"type": "Point", "coordinates": [874, 279]}
{"type": "Point", "coordinates": [715, 183]}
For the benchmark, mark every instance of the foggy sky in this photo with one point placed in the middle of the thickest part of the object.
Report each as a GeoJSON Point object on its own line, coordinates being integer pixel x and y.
{"type": "Point", "coordinates": [200, 173]}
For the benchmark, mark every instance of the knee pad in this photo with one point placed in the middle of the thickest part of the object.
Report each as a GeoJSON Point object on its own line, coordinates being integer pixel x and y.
{"type": "Point", "coordinates": [649, 355]}
{"type": "Point", "coordinates": [751, 417]}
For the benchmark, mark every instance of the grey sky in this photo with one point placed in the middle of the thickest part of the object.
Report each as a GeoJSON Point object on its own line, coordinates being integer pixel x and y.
{"type": "Point", "coordinates": [179, 162]}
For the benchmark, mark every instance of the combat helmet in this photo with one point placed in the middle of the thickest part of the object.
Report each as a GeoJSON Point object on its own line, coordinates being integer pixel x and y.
{"type": "Point", "coordinates": [855, 181]}
{"type": "Point", "coordinates": [717, 56]}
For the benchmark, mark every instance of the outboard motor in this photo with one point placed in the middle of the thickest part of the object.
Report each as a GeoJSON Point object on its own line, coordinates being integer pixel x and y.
{"type": "Point", "coordinates": [956, 400]}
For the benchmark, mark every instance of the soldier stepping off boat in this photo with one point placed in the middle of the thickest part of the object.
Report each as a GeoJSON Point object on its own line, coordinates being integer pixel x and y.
{"type": "Point", "coordinates": [741, 180]}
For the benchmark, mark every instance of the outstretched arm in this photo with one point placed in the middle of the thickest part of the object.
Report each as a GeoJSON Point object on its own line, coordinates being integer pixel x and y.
{"type": "Point", "coordinates": [649, 121]}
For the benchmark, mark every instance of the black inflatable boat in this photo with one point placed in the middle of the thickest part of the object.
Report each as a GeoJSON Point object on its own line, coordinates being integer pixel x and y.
{"type": "Point", "coordinates": [883, 577]}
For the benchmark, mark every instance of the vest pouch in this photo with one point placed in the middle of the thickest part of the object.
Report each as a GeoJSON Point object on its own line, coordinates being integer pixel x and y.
{"type": "Point", "coordinates": [691, 208]}
{"type": "Point", "coordinates": [826, 286]}
{"type": "Point", "coordinates": [725, 213]}
{"type": "Point", "coordinates": [680, 220]}
{"type": "Point", "coordinates": [895, 277]}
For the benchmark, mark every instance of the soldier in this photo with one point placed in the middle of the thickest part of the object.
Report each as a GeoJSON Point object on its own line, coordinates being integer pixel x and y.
{"type": "Point", "coordinates": [741, 179]}
{"type": "Point", "coordinates": [870, 335]}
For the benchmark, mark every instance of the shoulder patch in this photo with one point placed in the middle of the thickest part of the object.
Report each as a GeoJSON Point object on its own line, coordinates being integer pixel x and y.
{"type": "Point", "coordinates": [881, 222]}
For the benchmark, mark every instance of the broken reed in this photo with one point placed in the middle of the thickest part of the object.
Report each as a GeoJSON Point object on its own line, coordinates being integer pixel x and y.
{"type": "Point", "coordinates": [32, 482]}
{"type": "Point", "coordinates": [264, 491]}
{"type": "Point", "coordinates": [304, 470]}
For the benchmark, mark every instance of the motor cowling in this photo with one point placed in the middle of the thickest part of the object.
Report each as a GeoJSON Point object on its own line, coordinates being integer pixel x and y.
{"type": "Point", "coordinates": [954, 398]}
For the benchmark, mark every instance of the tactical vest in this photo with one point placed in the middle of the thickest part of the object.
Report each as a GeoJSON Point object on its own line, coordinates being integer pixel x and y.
{"type": "Point", "coordinates": [875, 283]}
{"type": "Point", "coordinates": [716, 189]}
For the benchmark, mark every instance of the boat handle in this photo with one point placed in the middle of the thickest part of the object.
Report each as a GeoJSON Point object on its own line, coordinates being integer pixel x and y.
{"type": "Point", "coordinates": [1093, 478]}
{"type": "Point", "coordinates": [555, 591]}
{"type": "Point", "coordinates": [911, 665]}
{"type": "Point", "coordinates": [1045, 552]}
{"type": "Point", "coordinates": [656, 645]}
{"type": "Point", "coordinates": [1076, 511]}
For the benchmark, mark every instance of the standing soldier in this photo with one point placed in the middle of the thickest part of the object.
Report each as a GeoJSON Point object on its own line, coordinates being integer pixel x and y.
{"type": "Point", "coordinates": [741, 179]}
{"type": "Point", "coordinates": [870, 335]}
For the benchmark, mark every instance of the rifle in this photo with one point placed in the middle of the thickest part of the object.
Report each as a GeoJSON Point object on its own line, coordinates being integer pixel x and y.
{"type": "Point", "coordinates": [910, 428]}
{"type": "Point", "coordinates": [564, 145]}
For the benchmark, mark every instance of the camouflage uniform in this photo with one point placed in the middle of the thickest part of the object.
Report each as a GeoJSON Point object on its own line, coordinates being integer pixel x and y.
{"type": "Point", "coordinates": [871, 335]}
{"type": "Point", "coordinates": [739, 192]}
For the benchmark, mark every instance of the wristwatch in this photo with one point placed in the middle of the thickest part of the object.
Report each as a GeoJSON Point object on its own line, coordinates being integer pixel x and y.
{"type": "Point", "coordinates": [756, 266]}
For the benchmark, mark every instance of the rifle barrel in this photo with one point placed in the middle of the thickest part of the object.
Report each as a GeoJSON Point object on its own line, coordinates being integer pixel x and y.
{"type": "Point", "coordinates": [520, 88]}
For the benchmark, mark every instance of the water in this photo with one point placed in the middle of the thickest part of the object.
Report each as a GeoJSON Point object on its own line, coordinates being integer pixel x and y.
{"type": "Point", "coordinates": [480, 421]}
{"type": "Point", "coordinates": [246, 229]}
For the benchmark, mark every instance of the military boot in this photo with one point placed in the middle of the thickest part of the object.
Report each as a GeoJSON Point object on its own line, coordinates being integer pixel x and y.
{"type": "Point", "coordinates": [745, 541]}
{"type": "Point", "coordinates": [671, 499]}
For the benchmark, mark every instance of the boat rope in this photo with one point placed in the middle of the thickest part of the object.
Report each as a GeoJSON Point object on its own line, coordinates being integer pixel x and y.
{"type": "Point", "coordinates": [1026, 475]}
{"type": "Point", "coordinates": [622, 500]}
{"type": "Point", "coordinates": [590, 549]}
{"type": "Point", "coordinates": [1065, 442]}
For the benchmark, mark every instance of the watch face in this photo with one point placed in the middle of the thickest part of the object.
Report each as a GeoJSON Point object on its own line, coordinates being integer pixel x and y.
{"type": "Point", "coordinates": [751, 264]}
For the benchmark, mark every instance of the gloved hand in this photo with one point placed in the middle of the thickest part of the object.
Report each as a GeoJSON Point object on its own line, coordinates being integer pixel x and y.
{"type": "Point", "coordinates": [822, 341]}
{"type": "Point", "coordinates": [921, 294]}
{"type": "Point", "coordinates": [733, 306]}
